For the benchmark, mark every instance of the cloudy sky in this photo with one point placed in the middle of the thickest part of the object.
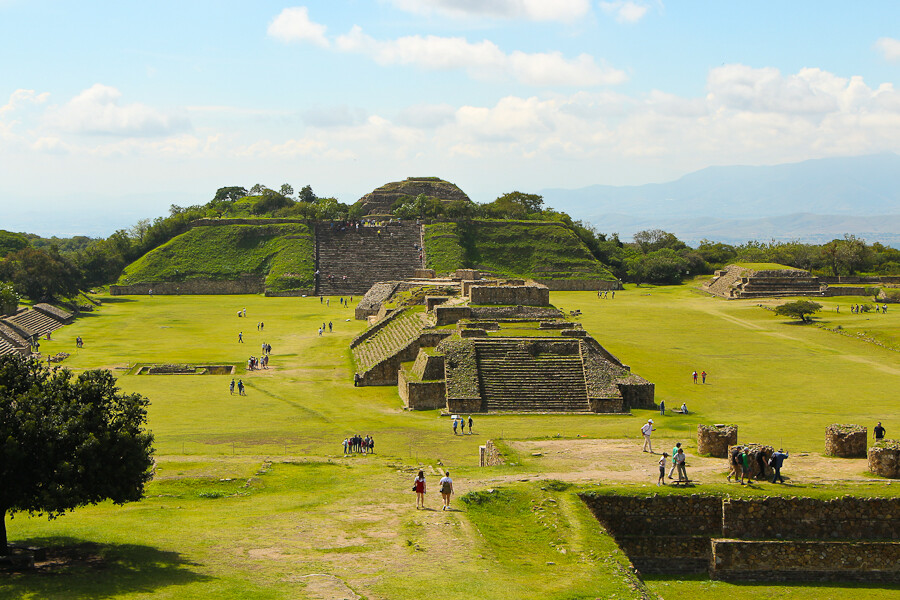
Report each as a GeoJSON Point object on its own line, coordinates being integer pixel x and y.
{"type": "Point", "coordinates": [112, 111]}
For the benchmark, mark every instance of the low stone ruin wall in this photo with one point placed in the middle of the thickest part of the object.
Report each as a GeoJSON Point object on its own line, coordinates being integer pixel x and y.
{"type": "Point", "coordinates": [884, 459]}
{"type": "Point", "coordinates": [288, 293]}
{"type": "Point", "coordinates": [524, 295]}
{"type": "Point", "coordinates": [637, 393]}
{"type": "Point", "coordinates": [846, 441]}
{"type": "Point", "coordinates": [580, 285]}
{"type": "Point", "coordinates": [245, 285]}
{"type": "Point", "coordinates": [420, 395]}
{"type": "Point", "coordinates": [845, 291]}
{"type": "Point", "coordinates": [738, 560]}
{"type": "Point", "coordinates": [714, 440]}
{"type": "Point", "coordinates": [489, 456]}
{"type": "Point", "coordinates": [607, 405]}
{"type": "Point", "coordinates": [449, 315]}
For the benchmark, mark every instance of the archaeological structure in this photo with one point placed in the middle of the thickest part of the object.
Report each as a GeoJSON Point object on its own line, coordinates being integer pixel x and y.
{"type": "Point", "coordinates": [470, 345]}
{"type": "Point", "coordinates": [27, 324]}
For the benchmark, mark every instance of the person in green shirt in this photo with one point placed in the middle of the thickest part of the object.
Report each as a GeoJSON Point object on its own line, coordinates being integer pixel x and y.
{"type": "Point", "coordinates": [674, 463]}
{"type": "Point", "coordinates": [745, 467]}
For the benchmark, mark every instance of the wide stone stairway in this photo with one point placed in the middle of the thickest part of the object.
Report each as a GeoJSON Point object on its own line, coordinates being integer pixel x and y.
{"type": "Point", "coordinates": [364, 257]}
{"type": "Point", "coordinates": [515, 380]}
{"type": "Point", "coordinates": [34, 322]}
{"type": "Point", "coordinates": [397, 333]}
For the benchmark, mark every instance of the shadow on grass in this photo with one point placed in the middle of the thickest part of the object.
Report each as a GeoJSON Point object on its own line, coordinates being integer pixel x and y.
{"type": "Point", "coordinates": [78, 569]}
{"type": "Point", "coordinates": [768, 585]}
{"type": "Point", "coordinates": [114, 299]}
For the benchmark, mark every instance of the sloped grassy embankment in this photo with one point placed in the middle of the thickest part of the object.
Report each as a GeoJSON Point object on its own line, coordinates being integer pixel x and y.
{"type": "Point", "coordinates": [528, 249]}
{"type": "Point", "coordinates": [283, 253]}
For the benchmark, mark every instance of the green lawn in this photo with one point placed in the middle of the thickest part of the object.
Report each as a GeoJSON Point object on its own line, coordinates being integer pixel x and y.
{"type": "Point", "coordinates": [253, 499]}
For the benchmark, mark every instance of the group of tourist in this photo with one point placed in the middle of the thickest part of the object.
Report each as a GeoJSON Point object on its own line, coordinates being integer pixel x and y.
{"type": "Point", "coordinates": [861, 308]}
{"type": "Point", "coordinates": [603, 294]}
{"type": "Point", "coordinates": [323, 327]}
{"type": "Point", "coordinates": [327, 301]}
{"type": "Point", "coordinates": [79, 343]}
{"type": "Point", "coordinates": [240, 387]}
{"type": "Point", "coordinates": [678, 463]}
{"type": "Point", "coordinates": [679, 411]}
{"type": "Point", "coordinates": [702, 375]}
{"type": "Point", "coordinates": [446, 488]}
{"type": "Point", "coordinates": [254, 363]}
{"type": "Point", "coordinates": [742, 466]}
{"type": "Point", "coordinates": [242, 313]}
{"type": "Point", "coordinates": [460, 422]}
{"type": "Point", "coordinates": [359, 445]}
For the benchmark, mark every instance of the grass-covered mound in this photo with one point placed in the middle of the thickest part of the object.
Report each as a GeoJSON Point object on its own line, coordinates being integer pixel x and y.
{"type": "Point", "coordinates": [765, 267]}
{"type": "Point", "coordinates": [283, 253]}
{"type": "Point", "coordinates": [529, 249]}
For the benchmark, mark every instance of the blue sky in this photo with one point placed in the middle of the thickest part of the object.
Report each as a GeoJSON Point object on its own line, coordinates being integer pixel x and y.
{"type": "Point", "coordinates": [112, 111]}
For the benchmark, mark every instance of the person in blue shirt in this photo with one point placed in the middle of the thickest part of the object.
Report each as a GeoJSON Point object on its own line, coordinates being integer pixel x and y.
{"type": "Point", "coordinates": [776, 462]}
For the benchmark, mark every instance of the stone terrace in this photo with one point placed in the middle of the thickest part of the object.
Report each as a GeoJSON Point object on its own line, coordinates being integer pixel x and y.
{"type": "Point", "coordinates": [513, 378]}
{"type": "Point", "coordinates": [365, 257]}
{"type": "Point", "coordinates": [34, 322]}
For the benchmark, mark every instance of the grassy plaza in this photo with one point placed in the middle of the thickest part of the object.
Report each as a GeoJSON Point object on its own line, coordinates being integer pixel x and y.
{"type": "Point", "coordinates": [253, 497]}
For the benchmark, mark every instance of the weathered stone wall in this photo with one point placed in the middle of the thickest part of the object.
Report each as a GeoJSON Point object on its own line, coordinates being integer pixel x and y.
{"type": "Point", "coordinates": [657, 515]}
{"type": "Point", "coordinates": [884, 459]}
{"type": "Point", "coordinates": [606, 405]}
{"type": "Point", "coordinates": [489, 456]}
{"type": "Point", "coordinates": [738, 560]}
{"type": "Point", "coordinates": [288, 293]}
{"type": "Point", "coordinates": [423, 274]}
{"type": "Point", "coordinates": [53, 312]}
{"type": "Point", "coordinates": [845, 291]}
{"type": "Point", "coordinates": [529, 313]}
{"type": "Point", "coordinates": [849, 518]}
{"type": "Point", "coordinates": [580, 285]}
{"type": "Point", "coordinates": [432, 301]}
{"type": "Point", "coordinates": [524, 295]}
{"type": "Point", "coordinates": [448, 315]}
{"type": "Point", "coordinates": [637, 393]}
{"type": "Point", "coordinates": [714, 440]}
{"type": "Point", "coordinates": [467, 275]}
{"type": "Point", "coordinates": [846, 441]}
{"type": "Point", "coordinates": [428, 365]}
{"type": "Point", "coordinates": [251, 284]}
{"type": "Point", "coordinates": [420, 395]}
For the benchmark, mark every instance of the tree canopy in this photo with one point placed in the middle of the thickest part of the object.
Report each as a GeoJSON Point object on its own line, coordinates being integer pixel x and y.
{"type": "Point", "coordinates": [67, 441]}
{"type": "Point", "coordinates": [41, 275]}
{"type": "Point", "coordinates": [799, 309]}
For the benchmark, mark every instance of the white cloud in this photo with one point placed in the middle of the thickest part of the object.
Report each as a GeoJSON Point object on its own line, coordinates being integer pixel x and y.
{"type": "Point", "coordinates": [97, 111]}
{"type": "Point", "coordinates": [21, 98]}
{"type": "Point", "coordinates": [533, 10]}
{"type": "Point", "coordinates": [889, 48]}
{"type": "Point", "coordinates": [293, 25]}
{"type": "Point", "coordinates": [482, 60]}
{"type": "Point", "coordinates": [625, 11]}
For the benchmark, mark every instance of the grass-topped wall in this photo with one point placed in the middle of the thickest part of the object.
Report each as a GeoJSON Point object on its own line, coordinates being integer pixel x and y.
{"type": "Point", "coordinates": [530, 249]}
{"type": "Point", "coordinates": [282, 253]}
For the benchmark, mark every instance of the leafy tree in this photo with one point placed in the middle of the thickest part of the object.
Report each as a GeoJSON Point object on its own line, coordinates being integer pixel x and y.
{"type": "Point", "coordinates": [651, 240]}
{"type": "Point", "coordinates": [270, 201]}
{"type": "Point", "coordinates": [306, 194]}
{"type": "Point", "coordinates": [9, 299]}
{"type": "Point", "coordinates": [257, 189]}
{"type": "Point", "coordinates": [513, 205]}
{"type": "Point", "coordinates": [11, 242]}
{"type": "Point", "coordinates": [286, 190]}
{"type": "Point", "coordinates": [140, 229]}
{"type": "Point", "coordinates": [799, 309]}
{"type": "Point", "coordinates": [41, 275]}
{"type": "Point", "coordinates": [716, 253]}
{"type": "Point", "coordinates": [664, 267]}
{"type": "Point", "coordinates": [67, 441]}
{"type": "Point", "coordinates": [229, 194]}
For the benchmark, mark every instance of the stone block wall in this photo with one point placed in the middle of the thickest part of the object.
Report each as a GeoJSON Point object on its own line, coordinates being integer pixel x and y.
{"type": "Point", "coordinates": [740, 560]}
{"type": "Point", "coordinates": [467, 275]}
{"type": "Point", "coordinates": [846, 441]}
{"type": "Point", "coordinates": [449, 315]}
{"type": "Point", "coordinates": [423, 274]}
{"type": "Point", "coordinates": [637, 393]}
{"type": "Point", "coordinates": [580, 285]}
{"type": "Point", "coordinates": [246, 285]}
{"type": "Point", "coordinates": [524, 295]}
{"type": "Point", "coordinates": [884, 459]}
{"type": "Point", "coordinates": [489, 456]}
{"type": "Point", "coordinates": [420, 395]}
{"type": "Point", "coordinates": [428, 366]}
{"type": "Point", "coordinates": [714, 440]}
{"type": "Point", "coordinates": [845, 291]}
{"type": "Point", "coordinates": [694, 515]}
{"type": "Point", "coordinates": [432, 301]}
{"type": "Point", "coordinates": [606, 405]}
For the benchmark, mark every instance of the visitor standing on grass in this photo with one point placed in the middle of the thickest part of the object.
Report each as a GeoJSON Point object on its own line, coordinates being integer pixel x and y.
{"type": "Point", "coordinates": [695, 376]}
{"type": "Point", "coordinates": [662, 470]}
{"type": "Point", "coordinates": [446, 489]}
{"type": "Point", "coordinates": [419, 489]}
{"type": "Point", "coordinates": [674, 457]}
{"type": "Point", "coordinates": [679, 460]}
{"type": "Point", "coordinates": [879, 432]}
{"type": "Point", "coordinates": [240, 388]}
{"type": "Point", "coordinates": [744, 460]}
{"type": "Point", "coordinates": [241, 337]}
{"type": "Point", "coordinates": [470, 424]}
{"type": "Point", "coordinates": [703, 376]}
{"type": "Point", "coordinates": [776, 462]}
{"type": "Point", "coordinates": [231, 387]}
{"type": "Point", "coordinates": [455, 424]}
{"type": "Point", "coordinates": [646, 430]}
{"type": "Point", "coordinates": [662, 408]}
{"type": "Point", "coordinates": [735, 465]}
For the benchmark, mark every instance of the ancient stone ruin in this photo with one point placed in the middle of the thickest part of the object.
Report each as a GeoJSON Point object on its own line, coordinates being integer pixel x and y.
{"type": "Point", "coordinates": [380, 200]}
{"type": "Point", "coordinates": [846, 441]}
{"type": "Point", "coordinates": [18, 330]}
{"type": "Point", "coordinates": [488, 346]}
{"type": "Point", "coordinates": [735, 281]}
{"type": "Point", "coordinates": [884, 459]}
{"type": "Point", "coordinates": [714, 440]}
{"type": "Point", "coordinates": [759, 455]}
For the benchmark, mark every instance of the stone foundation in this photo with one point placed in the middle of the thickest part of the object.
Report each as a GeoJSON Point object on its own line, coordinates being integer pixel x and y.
{"type": "Point", "coordinates": [489, 456]}
{"type": "Point", "coordinates": [714, 440]}
{"type": "Point", "coordinates": [424, 274]}
{"type": "Point", "coordinates": [523, 295]}
{"type": "Point", "coordinates": [884, 459]}
{"type": "Point", "coordinates": [420, 395]}
{"type": "Point", "coordinates": [246, 285]}
{"type": "Point", "coordinates": [846, 441]}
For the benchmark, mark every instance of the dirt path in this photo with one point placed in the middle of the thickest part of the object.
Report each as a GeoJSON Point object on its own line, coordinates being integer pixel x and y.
{"type": "Point", "coordinates": [621, 461]}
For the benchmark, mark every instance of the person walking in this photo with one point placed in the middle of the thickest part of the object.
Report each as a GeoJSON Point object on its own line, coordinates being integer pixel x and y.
{"type": "Point", "coordinates": [646, 430]}
{"type": "Point", "coordinates": [735, 466]}
{"type": "Point", "coordinates": [662, 470]}
{"type": "Point", "coordinates": [240, 337]}
{"type": "Point", "coordinates": [744, 460]}
{"type": "Point", "coordinates": [446, 489]}
{"type": "Point", "coordinates": [777, 461]}
{"type": "Point", "coordinates": [662, 408]}
{"type": "Point", "coordinates": [455, 425]}
{"type": "Point", "coordinates": [694, 375]}
{"type": "Point", "coordinates": [703, 376]}
{"type": "Point", "coordinates": [470, 424]}
{"type": "Point", "coordinates": [231, 387]}
{"type": "Point", "coordinates": [879, 432]}
{"type": "Point", "coordinates": [240, 387]}
{"type": "Point", "coordinates": [679, 460]}
{"type": "Point", "coordinates": [419, 489]}
{"type": "Point", "coordinates": [674, 456]}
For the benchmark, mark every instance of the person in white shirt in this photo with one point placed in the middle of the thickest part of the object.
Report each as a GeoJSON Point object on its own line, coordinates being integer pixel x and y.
{"type": "Point", "coordinates": [647, 429]}
{"type": "Point", "coordinates": [446, 490]}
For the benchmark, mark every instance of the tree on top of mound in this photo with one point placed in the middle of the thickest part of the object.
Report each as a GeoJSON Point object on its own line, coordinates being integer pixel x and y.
{"type": "Point", "coordinates": [67, 441]}
{"type": "Point", "coordinates": [799, 309]}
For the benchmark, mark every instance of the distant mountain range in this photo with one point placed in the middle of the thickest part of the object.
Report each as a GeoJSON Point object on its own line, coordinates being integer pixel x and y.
{"type": "Point", "coordinates": [813, 201]}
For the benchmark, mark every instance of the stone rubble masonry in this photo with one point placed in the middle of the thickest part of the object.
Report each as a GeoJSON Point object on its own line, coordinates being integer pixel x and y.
{"type": "Point", "coordinates": [420, 395]}
{"type": "Point", "coordinates": [522, 295]}
{"type": "Point", "coordinates": [424, 274]}
{"type": "Point", "coordinates": [753, 451]}
{"type": "Point", "coordinates": [714, 440]}
{"type": "Point", "coordinates": [736, 538]}
{"type": "Point", "coordinates": [580, 285]}
{"type": "Point", "coordinates": [846, 441]}
{"type": "Point", "coordinates": [884, 459]}
{"type": "Point", "coordinates": [371, 302]}
{"type": "Point", "coordinates": [248, 284]}
{"type": "Point", "coordinates": [467, 275]}
{"type": "Point", "coordinates": [489, 456]}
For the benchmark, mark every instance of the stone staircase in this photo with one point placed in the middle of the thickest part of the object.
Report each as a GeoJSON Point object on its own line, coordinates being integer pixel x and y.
{"type": "Point", "coordinates": [723, 283]}
{"type": "Point", "coordinates": [11, 341]}
{"type": "Point", "coordinates": [34, 322]}
{"type": "Point", "coordinates": [402, 329]}
{"type": "Point", "coordinates": [365, 257]}
{"type": "Point", "coordinates": [514, 380]}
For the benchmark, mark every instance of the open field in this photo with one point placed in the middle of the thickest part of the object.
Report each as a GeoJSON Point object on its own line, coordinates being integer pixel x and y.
{"type": "Point", "coordinates": [253, 499]}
